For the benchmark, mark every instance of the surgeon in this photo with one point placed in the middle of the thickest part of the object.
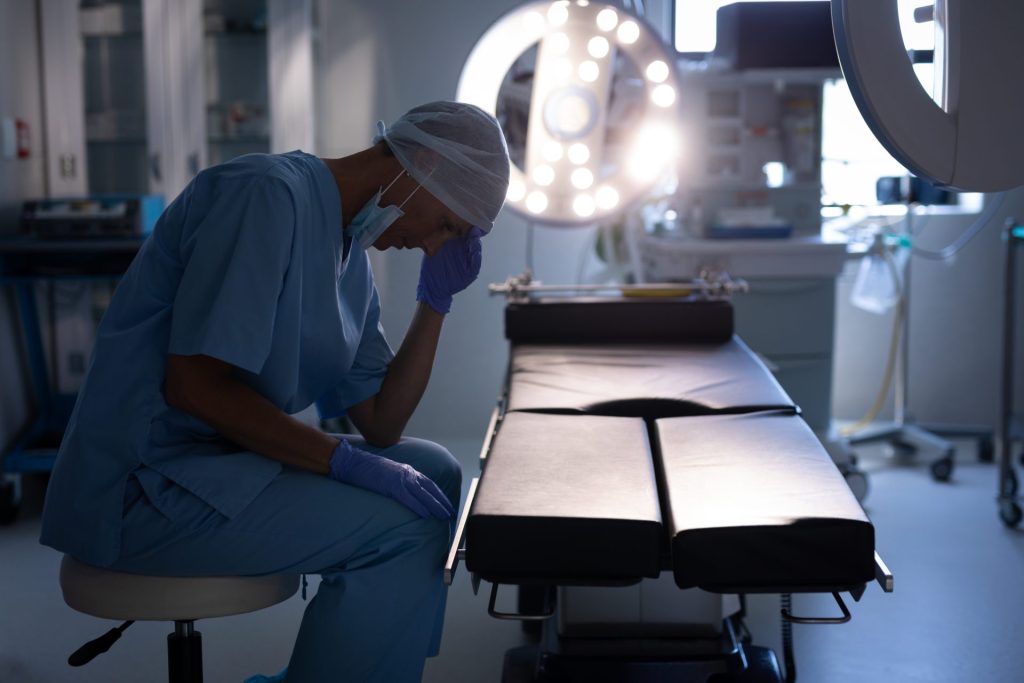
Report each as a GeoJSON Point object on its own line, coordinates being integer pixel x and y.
{"type": "Point", "coordinates": [252, 300]}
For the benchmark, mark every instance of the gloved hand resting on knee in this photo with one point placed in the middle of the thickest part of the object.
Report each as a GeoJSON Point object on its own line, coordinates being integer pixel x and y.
{"type": "Point", "coordinates": [396, 480]}
{"type": "Point", "coordinates": [453, 268]}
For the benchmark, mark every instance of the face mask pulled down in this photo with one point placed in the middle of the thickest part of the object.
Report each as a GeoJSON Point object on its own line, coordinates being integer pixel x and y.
{"type": "Point", "coordinates": [373, 219]}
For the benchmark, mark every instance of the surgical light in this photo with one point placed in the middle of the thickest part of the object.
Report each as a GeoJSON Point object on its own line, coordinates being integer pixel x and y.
{"type": "Point", "coordinates": [579, 154]}
{"type": "Point", "coordinates": [533, 22]}
{"type": "Point", "coordinates": [628, 32]}
{"type": "Point", "coordinates": [583, 205]}
{"type": "Point", "coordinates": [544, 175]}
{"type": "Point", "coordinates": [536, 202]}
{"type": "Point", "coordinates": [607, 198]}
{"type": "Point", "coordinates": [582, 178]}
{"type": "Point", "coordinates": [558, 13]}
{"type": "Point", "coordinates": [516, 190]}
{"type": "Point", "coordinates": [553, 151]}
{"type": "Point", "coordinates": [657, 71]}
{"type": "Point", "coordinates": [598, 47]}
{"type": "Point", "coordinates": [589, 71]}
{"type": "Point", "coordinates": [663, 95]}
{"type": "Point", "coordinates": [570, 113]}
{"type": "Point", "coordinates": [561, 69]}
{"type": "Point", "coordinates": [654, 148]}
{"type": "Point", "coordinates": [569, 168]}
{"type": "Point", "coordinates": [607, 19]}
{"type": "Point", "coordinates": [558, 43]}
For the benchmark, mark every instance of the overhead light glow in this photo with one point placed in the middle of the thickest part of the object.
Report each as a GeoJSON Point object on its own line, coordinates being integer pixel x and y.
{"type": "Point", "coordinates": [607, 19]}
{"type": "Point", "coordinates": [559, 43]}
{"type": "Point", "coordinates": [657, 71]}
{"type": "Point", "coordinates": [597, 47]}
{"type": "Point", "coordinates": [558, 13]}
{"type": "Point", "coordinates": [607, 198]}
{"type": "Point", "coordinates": [663, 95]}
{"type": "Point", "coordinates": [582, 178]}
{"type": "Point", "coordinates": [629, 31]}
{"type": "Point", "coordinates": [579, 153]}
{"type": "Point", "coordinates": [583, 205]}
{"type": "Point", "coordinates": [589, 71]}
{"type": "Point", "coordinates": [543, 175]}
{"type": "Point", "coordinates": [536, 202]}
{"type": "Point", "coordinates": [552, 151]}
{"type": "Point", "coordinates": [516, 190]}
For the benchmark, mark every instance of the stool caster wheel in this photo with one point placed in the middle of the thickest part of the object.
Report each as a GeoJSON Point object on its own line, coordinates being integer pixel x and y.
{"type": "Point", "coordinates": [10, 502]}
{"type": "Point", "coordinates": [1011, 485]}
{"type": "Point", "coordinates": [858, 483]}
{"type": "Point", "coordinates": [942, 469]}
{"type": "Point", "coordinates": [986, 449]}
{"type": "Point", "coordinates": [1010, 513]}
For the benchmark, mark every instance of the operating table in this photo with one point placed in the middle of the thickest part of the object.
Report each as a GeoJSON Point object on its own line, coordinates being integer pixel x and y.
{"type": "Point", "coordinates": [643, 463]}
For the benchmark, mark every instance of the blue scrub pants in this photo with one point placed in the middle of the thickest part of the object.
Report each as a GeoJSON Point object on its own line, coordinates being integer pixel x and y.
{"type": "Point", "coordinates": [380, 607]}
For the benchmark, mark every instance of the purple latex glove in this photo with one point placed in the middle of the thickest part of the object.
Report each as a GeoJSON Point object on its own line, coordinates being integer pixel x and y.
{"type": "Point", "coordinates": [396, 480]}
{"type": "Point", "coordinates": [453, 268]}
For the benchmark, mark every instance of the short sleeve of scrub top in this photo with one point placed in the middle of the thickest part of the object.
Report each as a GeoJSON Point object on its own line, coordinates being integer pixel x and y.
{"type": "Point", "coordinates": [237, 259]}
{"type": "Point", "coordinates": [368, 369]}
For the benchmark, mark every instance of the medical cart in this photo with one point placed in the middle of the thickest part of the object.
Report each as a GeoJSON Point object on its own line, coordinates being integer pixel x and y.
{"type": "Point", "coordinates": [25, 262]}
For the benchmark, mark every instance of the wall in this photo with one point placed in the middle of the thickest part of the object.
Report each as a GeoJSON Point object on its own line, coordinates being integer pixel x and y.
{"type": "Point", "coordinates": [376, 60]}
{"type": "Point", "coordinates": [20, 97]}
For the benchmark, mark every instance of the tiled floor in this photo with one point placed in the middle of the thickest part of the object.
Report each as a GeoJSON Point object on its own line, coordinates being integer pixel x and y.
{"type": "Point", "coordinates": [957, 614]}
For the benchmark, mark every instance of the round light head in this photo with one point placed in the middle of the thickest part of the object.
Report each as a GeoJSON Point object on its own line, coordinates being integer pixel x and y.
{"type": "Point", "coordinates": [568, 169]}
{"type": "Point", "coordinates": [628, 32]}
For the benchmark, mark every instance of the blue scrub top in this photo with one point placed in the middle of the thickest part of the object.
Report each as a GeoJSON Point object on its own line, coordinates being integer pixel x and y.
{"type": "Point", "coordinates": [247, 265]}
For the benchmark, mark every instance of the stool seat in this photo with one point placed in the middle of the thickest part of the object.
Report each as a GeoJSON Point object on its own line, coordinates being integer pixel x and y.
{"type": "Point", "coordinates": [119, 595]}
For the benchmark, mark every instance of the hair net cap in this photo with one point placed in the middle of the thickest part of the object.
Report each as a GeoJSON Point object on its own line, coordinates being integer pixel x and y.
{"type": "Point", "coordinates": [458, 153]}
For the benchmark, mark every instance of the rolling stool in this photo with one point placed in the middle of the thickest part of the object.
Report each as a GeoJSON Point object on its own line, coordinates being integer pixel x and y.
{"type": "Point", "coordinates": [134, 597]}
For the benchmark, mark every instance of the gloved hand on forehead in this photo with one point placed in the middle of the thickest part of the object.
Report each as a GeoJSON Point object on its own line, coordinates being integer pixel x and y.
{"type": "Point", "coordinates": [396, 480]}
{"type": "Point", "coordinates": [453, 268]}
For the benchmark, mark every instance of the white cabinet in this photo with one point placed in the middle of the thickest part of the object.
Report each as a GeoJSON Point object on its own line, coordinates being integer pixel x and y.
{"type": "Point", "coordinates": [140, 95]}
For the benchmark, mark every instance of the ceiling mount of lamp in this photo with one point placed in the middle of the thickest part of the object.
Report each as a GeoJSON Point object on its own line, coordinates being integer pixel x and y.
{"type": "Point", "coordinates": [570, 170]}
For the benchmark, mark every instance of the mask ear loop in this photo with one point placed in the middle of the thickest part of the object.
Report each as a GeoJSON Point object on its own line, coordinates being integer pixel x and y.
{"type": "Point", "coordinates": [418, 185]}
{"type": "Point", "coordinates": [400, 174]}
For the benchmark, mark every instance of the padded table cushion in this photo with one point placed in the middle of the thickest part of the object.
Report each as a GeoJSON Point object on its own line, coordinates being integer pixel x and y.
{"type": "Point", "coordinates": [569, 498]}
{"type": "Point", "coordinates": [601, 320]}
{"type": "Point", "coordinates": [649, 381]}
{"type": "Point", "coordinates": [756, 504]}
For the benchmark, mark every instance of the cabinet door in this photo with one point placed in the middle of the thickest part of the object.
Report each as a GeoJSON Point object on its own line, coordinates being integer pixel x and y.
{"type": "Point", "coordinates": [258, 76]}
{"type": "Point", "coordinates": [66, 168]}
{"type": "Point", "coordinates": [174, 93]}
{"type": "Point", "coordinates": [290, 44]}
{"type": "Point", "coordinates": [237, 109]}
{"type": "Point", "coordinates": [113, 81]}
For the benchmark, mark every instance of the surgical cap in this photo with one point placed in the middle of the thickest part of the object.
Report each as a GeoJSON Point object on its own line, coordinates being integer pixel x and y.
{"type": "Point", "coordinates": [469, 167]}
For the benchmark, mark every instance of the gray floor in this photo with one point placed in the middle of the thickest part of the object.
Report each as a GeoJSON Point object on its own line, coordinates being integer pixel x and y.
{"type": "Point", "coordinates": [957, 613]}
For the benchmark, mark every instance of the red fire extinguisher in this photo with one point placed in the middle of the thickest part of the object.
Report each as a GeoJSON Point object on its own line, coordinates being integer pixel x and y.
{"type": "Point", "coordinates": [22, 138]}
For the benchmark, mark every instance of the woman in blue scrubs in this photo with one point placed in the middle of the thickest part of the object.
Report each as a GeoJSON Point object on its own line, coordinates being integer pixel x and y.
{"type": "Point", "coordinates": [252, 300]}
